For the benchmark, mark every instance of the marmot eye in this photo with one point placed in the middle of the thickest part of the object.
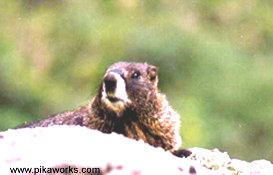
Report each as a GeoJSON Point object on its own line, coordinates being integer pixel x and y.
{"type": "Point", "coordinates": [135, 74]}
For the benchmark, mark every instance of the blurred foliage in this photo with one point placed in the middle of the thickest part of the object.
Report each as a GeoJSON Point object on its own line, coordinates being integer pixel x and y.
{"type": "Point", "coordinates": [215, 60]}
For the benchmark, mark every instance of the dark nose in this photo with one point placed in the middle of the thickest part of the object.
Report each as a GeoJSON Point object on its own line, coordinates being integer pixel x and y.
{"type": "Point", "coordinates": [110, 83]}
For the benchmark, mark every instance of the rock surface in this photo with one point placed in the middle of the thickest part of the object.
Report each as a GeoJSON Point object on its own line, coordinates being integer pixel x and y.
{"type": "Point", "coordinates": [222, 164]}
{"type": "Point", "coordinates": [72, 148]}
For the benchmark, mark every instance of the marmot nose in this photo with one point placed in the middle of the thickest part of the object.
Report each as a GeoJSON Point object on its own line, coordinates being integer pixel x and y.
{"type": "Point", "coordinates": [110, 83]}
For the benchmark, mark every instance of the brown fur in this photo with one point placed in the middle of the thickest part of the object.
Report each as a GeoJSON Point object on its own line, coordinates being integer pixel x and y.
{"type": "Point", "coordinates": [148, 117]}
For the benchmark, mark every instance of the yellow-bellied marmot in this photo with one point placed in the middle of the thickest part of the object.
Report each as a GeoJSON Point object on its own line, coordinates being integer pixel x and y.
{"type": "Point", "coordinates": [127, 102]}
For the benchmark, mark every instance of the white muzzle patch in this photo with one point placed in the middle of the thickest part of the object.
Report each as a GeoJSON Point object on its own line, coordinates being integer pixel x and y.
{"type": "Point", "coordinates": [114, 93]}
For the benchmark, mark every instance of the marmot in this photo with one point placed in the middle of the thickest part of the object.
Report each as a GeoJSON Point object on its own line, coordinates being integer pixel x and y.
{"type": "Point", "coordinates": [128, 102]}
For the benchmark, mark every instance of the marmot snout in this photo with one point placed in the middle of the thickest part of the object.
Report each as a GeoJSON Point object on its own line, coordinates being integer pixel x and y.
{"type": "Point", "coordinates": [128, 102]}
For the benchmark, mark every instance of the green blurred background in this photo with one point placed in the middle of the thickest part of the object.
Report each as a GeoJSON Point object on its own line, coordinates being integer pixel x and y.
{"type": "Point", "coordinates": [215, 60]}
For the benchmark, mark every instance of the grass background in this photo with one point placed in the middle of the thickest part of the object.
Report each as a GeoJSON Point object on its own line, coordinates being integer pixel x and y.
{"type": "Point", "coordinates": [215, 60]}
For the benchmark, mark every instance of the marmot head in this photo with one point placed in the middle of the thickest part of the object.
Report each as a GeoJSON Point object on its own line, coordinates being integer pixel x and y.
{"type": "Point", "coordinates": [129, 86]}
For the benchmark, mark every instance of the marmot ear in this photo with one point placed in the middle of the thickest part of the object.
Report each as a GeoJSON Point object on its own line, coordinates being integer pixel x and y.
{"type": "Point", "coordinates": [152, 74]}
